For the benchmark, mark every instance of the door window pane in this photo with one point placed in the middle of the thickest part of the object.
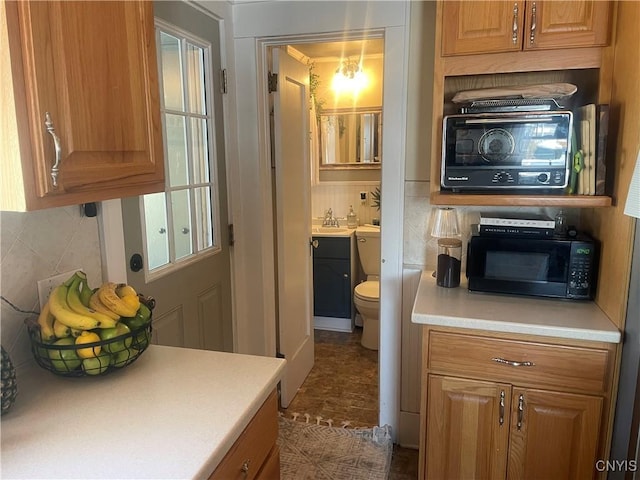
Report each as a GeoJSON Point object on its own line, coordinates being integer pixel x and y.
{"type": "Point", "coordinates": [171, 65]}
{"type": "Point", "coordinates": [200, 150]}
{"type": "Point", "coordinates": [181, 214]}
{"type": "Point", "coordinates": [176, 134]}
{"type": "Point", "coordinates": [156, 229]}
{"type": "Point", "coordinates": [203, 218]}
{"type": "Point", "coordinates": [196, 79]}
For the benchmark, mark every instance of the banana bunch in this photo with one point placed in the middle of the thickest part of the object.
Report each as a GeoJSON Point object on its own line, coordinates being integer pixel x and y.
{"type": "Point", "coordinates": [91, 319]}
{"type": "Point", "coordinates": [74, 307]}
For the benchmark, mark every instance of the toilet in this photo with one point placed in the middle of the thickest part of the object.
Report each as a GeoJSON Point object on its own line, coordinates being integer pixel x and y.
{"type": "Point", "coordinates": [366, 295]}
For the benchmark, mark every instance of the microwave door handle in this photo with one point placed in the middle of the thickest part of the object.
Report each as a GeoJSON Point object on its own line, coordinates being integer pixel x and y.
{"type": "Point", "coordinates": [481, 121]}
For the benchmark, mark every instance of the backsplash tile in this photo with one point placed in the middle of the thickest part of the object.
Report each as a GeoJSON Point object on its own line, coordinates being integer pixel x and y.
{"type": "Point", "coordinates": [37, 245]}
{"type": "Point", "coordinates": [339, 197]}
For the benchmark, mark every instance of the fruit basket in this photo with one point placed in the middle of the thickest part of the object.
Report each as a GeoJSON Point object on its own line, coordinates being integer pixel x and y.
{"type": "Point", "coordinates": [86, 332]}
{"type": "Point", "coordinates": [63, 357]}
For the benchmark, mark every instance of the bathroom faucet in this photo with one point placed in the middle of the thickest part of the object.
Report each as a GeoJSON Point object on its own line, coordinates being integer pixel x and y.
{"type": "Point", "coordinates": [329, 220]}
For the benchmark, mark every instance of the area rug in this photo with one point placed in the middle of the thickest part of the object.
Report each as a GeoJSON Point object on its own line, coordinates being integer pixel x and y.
{"type": "Point", "coordinates": [315, 451]}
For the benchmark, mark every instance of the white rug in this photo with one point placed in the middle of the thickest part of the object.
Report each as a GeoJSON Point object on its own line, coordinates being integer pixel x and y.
{"type": "Point", "coordinates": [311, 451]}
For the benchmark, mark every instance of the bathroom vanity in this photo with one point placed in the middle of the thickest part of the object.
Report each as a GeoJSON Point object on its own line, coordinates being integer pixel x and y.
{"type": "Point", "coordinates": [334, 278]}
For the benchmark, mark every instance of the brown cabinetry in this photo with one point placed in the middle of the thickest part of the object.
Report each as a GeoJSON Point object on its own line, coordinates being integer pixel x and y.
{"type": "Point", "coordinates": [255, 454]}
{"type": "Point", "coordinates": [511, 26]}
{"type": "Point", "coordinates": [83, 113]}
{"type": "Point", "coordinates": [495, 407]}
{"type": "Point", "coordinates": [474, 45]}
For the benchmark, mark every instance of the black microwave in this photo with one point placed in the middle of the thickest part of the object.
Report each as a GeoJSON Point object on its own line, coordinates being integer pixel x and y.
{"type": "Point", "coordinates": [560, 268]}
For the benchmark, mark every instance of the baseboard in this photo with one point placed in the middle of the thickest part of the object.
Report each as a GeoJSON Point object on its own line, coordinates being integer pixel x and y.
{"type": "Point", "coordinates": [333, 324]}
{"type": "Point", "coordinates": [409, 430]}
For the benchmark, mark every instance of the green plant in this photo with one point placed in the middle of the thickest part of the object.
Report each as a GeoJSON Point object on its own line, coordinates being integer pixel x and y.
{"type": "Point", "coordinates": [377, 198]}
{"type": "Point", "coordinates": [314, 83]}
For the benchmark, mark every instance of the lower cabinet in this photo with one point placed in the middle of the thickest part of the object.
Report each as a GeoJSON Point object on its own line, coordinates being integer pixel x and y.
{"type": "Point", "coordinates": [497, 408]}
{"type": "Point", "coordinates": [255, 454]}
{"type": "Point", "coordinates": [332, 286]}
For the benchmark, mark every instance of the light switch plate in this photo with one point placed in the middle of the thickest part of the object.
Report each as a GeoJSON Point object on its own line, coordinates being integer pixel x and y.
{"type": "Point", "coordinates": [46, 285]}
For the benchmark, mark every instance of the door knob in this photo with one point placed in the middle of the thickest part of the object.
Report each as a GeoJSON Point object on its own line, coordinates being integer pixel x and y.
{"type": "Point", "coordinates": [135, 262]}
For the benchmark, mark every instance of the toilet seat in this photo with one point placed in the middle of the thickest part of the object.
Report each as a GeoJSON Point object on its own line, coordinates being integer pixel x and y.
{"type": "Point", "coordinates": [368, 291]}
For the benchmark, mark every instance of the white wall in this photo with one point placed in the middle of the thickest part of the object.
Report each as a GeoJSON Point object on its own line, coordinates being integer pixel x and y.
{"type": "Point", "coordinates": [253, 21]}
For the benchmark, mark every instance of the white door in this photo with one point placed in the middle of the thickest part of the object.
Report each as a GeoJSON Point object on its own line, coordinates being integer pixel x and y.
{"type": "Point", "coordinates": [293, 221]}
{"type": "Point", "coordinates": [177, 241]}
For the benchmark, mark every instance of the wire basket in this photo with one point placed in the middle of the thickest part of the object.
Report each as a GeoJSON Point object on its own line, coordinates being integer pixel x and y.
{"type": "Point", "coordinates": [63, 358]}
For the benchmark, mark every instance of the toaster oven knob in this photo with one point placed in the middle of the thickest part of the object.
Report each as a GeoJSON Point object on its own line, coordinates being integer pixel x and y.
{"type": "Point", "coordinates": [543, 177]}
{"type": "Point", "coordinates": [502, 177]}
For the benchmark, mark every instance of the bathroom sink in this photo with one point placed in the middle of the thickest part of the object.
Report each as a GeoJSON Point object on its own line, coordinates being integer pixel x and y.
{"type": "Point", "coordinates": [329, 230]}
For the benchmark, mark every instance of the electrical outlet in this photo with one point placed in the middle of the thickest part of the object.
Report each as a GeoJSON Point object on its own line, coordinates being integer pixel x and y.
{"type": "Point", "coordinates": [46, 285]}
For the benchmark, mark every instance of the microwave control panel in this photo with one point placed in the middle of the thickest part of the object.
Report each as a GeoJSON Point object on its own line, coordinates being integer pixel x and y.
{"type": "Point", "coordinates": [580, 281]}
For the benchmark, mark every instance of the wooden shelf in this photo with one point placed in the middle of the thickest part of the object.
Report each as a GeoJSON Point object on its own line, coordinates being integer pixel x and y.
{"type": "Point", "coordinates": [479, 199]}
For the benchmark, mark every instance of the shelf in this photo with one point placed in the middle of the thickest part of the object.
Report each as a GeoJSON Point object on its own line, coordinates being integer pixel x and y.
{"type": "Point", "coordinates": [576, 201]}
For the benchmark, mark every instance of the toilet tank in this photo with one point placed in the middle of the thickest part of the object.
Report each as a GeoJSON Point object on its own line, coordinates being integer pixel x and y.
{"type": "Point", "coordinates": [368, 239]}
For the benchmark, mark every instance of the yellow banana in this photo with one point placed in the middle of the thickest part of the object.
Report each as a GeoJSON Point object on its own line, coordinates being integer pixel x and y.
{"type": "Point", "coordinates": [45, 320]}
{"type": "Point", "coordinates": [75, 304]}
{"type": "Point", "coordinates": [61, 330]}
{"type": "Point", "coordinates": [123, 290]}
{"type": "Point", "coordinates": [96, 304]}
{"type": "Point", "coordinates": [108, 296]}
{"type": "Point", "coordinates": [60, 309]}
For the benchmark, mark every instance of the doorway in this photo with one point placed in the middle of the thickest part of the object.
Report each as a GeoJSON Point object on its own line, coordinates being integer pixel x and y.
{"type": "Point", "coordinates": [326, 62]}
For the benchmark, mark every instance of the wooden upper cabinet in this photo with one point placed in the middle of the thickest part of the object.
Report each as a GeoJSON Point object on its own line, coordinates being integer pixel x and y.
{"type": "Point", "coordinates": [86, 96]}
{"type": "Point", "coordinates": [508, 26]}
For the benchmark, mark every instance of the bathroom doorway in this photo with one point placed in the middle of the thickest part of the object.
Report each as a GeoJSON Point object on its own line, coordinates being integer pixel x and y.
{"type": "Point", "coordinates": [355, 181]}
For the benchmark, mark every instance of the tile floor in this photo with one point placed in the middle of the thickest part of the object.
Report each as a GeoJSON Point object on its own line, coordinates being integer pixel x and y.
{"type": "Point", "coordinates": [343, 387]}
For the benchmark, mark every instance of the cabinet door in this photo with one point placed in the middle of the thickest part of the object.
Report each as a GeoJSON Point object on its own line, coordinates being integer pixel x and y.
{"type": "Point", "coordinates": [553, 435]}
{"type": "Point", "coordinates": [481, 27]}
{"type": "Point", "coordinates": [331, 288]}
{"type": "Point", "coordinates": [91, 69]}
{"type": "Point", "coordinates": [552, 24]}
{"type": "Point", "coordinates": [467, 428]}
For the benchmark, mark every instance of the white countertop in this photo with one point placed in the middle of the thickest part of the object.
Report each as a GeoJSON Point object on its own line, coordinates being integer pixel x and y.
{"type": "Point", "coordinates": [457, 307]}
{"type": "Point", "coordinates": [174, 413]}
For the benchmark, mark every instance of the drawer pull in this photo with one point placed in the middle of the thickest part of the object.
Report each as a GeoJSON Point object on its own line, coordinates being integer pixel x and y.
{"type": "Point", "coordinates": [501, 419]}
{"type": "Point", "coordinates": [245, 468]}
{"type": "Point", "coordinates": [513, 363]}
{"type": "Point", "coordinates": [520, 411]}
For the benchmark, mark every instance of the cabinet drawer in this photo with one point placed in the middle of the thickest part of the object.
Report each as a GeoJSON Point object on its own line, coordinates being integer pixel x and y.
{"type": "Point", "coordinates": [332, 247]}
{"type": "Point", "coordinates": [253, 446]}
{"type": "Point", "coordinates": [559, 366]}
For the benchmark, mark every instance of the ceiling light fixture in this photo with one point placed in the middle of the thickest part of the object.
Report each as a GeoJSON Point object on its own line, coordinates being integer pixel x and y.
{"type": "Point", "coordinates": [349, 77]}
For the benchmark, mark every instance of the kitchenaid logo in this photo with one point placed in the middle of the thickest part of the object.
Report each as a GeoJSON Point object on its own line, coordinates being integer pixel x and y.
{"type": "Point", "coordinates": [458, 179]}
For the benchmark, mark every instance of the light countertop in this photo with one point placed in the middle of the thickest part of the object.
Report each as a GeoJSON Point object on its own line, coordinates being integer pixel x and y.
{"type": "Point", "coordinates": [174, 413]}
{"type": "Point", "coordinates": [457, 307]}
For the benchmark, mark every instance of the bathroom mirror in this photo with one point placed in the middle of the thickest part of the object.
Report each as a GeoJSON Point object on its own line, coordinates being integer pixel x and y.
{"type": "Point", "coordinates": [350, 138]}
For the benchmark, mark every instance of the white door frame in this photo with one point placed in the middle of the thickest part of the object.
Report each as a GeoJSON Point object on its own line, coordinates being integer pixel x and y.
{"type": "Point", "coordinates": [392, 212]}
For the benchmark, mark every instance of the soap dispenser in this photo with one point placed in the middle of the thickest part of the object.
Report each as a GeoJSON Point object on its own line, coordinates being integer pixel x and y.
{"type": "Point", "coordinates": [352, 219]}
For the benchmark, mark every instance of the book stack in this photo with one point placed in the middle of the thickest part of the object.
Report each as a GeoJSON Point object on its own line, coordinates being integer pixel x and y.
{"type": "Point", "coordinates": [527, 225]}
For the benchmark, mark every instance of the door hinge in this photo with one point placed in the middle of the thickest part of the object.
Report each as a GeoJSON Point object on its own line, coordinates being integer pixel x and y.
{"type": "Point", "coordinates": [231, 237]}
{"type": "Point", "coordinates": [223, 80]}
{"type": "Point", "coordinates": [273, 82]}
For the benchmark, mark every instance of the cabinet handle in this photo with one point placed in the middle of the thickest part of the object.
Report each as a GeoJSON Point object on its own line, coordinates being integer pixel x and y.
{"type": "Point", "coordinates": [513, 363]}
{"type": "Point", "coordinates": [501, 419]}
{"type": "Point", "coordinates": [514, 28]}
{"type": "Point", "coordinates": [532, 33]}
{"type": "Point", "coordinates": [245, 468]}
{"type": "Point", "coordinates": [520, 411]}
{"type": "Point", "coordinates": [58, 149]}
